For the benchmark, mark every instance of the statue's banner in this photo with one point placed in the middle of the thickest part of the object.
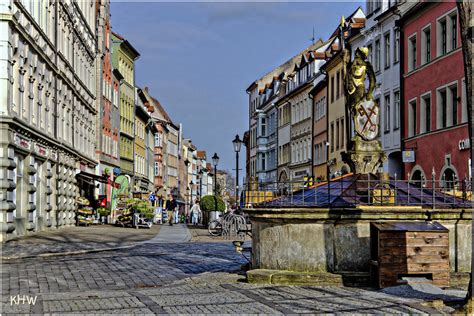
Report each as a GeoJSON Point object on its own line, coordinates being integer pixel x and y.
{"type": "Point", "coordinates": [367, 119]}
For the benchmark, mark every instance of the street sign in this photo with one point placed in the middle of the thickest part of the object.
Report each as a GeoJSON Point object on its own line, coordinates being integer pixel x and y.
{"type": "Point", "coordinates": [152, 197]}
{"type": "Point", "coordinates": [408, 156]}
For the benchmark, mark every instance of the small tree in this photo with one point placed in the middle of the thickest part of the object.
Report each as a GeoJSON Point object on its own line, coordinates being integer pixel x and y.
{"type": "Point", "coordinates": [210, 203]}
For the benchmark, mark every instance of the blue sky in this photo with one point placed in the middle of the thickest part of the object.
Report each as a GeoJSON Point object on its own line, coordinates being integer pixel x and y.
{"type": "Point", "coordinates": [198, 58]}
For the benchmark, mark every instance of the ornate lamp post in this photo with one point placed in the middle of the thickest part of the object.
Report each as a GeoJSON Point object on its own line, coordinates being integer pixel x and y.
{"type": "Point", "coordinates": [215, 161]}
{"type": "Point", "coordinates": [200, 173]}
{"type": "Point", "coordinates": [237, 143]}
{"type": "Point", "coordinates": [191, 183]}
{"type": "Point", "coordinates": [190, 200]}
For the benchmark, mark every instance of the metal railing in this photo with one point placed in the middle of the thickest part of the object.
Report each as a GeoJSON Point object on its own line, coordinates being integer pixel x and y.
{"type": "Point", "coordinates": [353, 190]}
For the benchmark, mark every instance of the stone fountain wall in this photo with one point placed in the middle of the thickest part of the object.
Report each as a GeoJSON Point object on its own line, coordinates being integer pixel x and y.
{"type": "Point", "coordinates": [338, 240]}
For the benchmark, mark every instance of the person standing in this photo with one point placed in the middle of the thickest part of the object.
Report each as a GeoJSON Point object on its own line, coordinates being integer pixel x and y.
{"type": "Point", "coordinates": [195, 212]}
{"type": "Point", "coordinates": [170, 207]}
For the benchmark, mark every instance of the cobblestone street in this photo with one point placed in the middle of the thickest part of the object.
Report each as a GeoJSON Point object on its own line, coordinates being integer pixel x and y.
{"type": "Point", "coordinates": [159, 276]}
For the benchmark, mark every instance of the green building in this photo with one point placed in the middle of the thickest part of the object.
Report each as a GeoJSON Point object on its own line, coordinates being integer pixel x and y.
{"type": "Point", "coordinates": [123, 61]}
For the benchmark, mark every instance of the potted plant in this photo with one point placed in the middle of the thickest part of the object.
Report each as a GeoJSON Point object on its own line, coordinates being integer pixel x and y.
{"type": "Point", "coordinates": [103, 213]}
{"type": "Point", "coordinates": [213, 205]}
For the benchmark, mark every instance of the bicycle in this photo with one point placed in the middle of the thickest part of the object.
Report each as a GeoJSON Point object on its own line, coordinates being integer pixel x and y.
{"type": "Point", "coordinates": [229, 225]}
{"type": "Point", "coordinates": [215, 228]}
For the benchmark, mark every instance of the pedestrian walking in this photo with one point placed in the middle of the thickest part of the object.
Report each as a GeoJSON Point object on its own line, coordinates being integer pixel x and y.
{"type": "Point", "coordinates": [170, 207]}
{"type": "Point", "coordinates": [195, 212]}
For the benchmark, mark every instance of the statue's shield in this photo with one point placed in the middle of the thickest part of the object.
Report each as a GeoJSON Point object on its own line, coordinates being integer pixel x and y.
{"type": "Point", "coordinates": [366, 120]}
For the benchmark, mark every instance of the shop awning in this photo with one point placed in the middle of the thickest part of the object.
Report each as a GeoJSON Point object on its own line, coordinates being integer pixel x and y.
{"type": "Point", "coordinates": [91, 176]}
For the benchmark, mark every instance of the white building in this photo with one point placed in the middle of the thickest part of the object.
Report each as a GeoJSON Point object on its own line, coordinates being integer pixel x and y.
{"type": "Point", "coordinates": [382, 36]}
{"type": "Point", "coordinates": [48, 112]}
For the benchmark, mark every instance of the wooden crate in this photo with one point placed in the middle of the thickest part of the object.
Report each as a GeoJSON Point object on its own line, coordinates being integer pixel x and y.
{"type": "Point", "coordinates": [404, 249]}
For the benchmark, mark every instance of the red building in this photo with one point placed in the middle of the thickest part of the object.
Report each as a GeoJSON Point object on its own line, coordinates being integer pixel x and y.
{"type": "Point", "coordinates": [434, 112]}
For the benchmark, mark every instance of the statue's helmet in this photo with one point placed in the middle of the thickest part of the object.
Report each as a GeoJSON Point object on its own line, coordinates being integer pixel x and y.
{"type": "Point", "coordinates": [363, 51]}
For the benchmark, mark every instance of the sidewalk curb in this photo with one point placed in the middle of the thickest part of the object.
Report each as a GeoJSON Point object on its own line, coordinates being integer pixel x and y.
{"type": "Point", "coordinates": [85, 251]}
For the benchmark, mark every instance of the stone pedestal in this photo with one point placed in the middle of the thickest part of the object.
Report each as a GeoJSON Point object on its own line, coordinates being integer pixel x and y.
{"type": "Point", "coordinates": [365, 156]}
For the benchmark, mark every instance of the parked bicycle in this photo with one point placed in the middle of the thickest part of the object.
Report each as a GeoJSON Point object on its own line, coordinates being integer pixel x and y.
{"type": "Point", "coordinates": [229, 226]}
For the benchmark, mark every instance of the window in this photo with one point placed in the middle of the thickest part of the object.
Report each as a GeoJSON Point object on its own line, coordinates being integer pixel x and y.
{"type": "Point", "coordinates": [387, 113]}
{"type": "Point", "coordinates": [342, 133]}
{"type": "Point", "coordinates": [412, 53]}
{"type": "Point", "coordinates": [425, 123]}
{"type": "Point", "coordinates": [377, 55]}
{"type": "Point", "coordinates": [426, 45]}
{"type": "Point", "coordinates": [157, 169]}
{"type": "Point", "coordinates": [332, 136]}
{"type": "Point", "coordinates": [337, 135]}
{"type": "Point", "coordinates": [396, 47]}
{"type": "Point", "coordinates": [454, 32]}
{"type": "Point", "coordinates": [442, 37]}
{"type": "Point", "coordinates": [441, 109]}
{"type": "Point", "coordinates": [263, 127]}
{"type": "Point", "coordinates": [338, 84]}
{"type": "Point", "coordinates": [369, 47]}
{"type": "Point", "coordinates": [387, 50]}
{"type": "Point", "coordinates": [464, 102]}
{"type": "Point", "coordinates": [412, 118]}
{"type": "Point", "coordinates": [332, 89]}
{"type": "Point", "coordinates": [454, 104]}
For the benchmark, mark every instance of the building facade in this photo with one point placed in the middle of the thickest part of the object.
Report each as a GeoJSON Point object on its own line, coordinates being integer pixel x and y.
{"type": "Point", "coordinates": [108, 118]}
{"type": "Point", "coordinates": [123, 60]}
{"type": "Point", "coordinates": [319, 134]}
{"type": "Point", "coordinates": [48, 88]}
{"type": "Point", "coordinates": [263, 149]}
{"type": "Point", "coordinates": [434, 96]}
{"type": "Point", "coordinates": [381, 35]}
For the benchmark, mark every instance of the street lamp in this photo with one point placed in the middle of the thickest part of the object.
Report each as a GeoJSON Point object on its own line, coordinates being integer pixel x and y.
{"type": "Point", "coordinates": [190, 201]}
{"type": "Point", "coordinates": [237, 143]}
{"type": "Point", "coordinates": [215, 161]}
{"type": "Point", "coordinates": [191, 183]}
{"type": "Point", "coordinates": [200, 173]}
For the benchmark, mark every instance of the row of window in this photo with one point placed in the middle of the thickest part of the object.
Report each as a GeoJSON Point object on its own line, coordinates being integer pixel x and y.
{"type": "Point", "coordinates": [320, 153]}
{"type": "Point", "coordinates": [284, 154]}
{"type": "Point", "coordinates": [109, 146]}
{"type": "Point", "coordinates": [388, 108]}
{"type": "Point", "coordinates": [140, 165]}
{"type": "Point", "coordinates": [284, 115]}
{"type": "Point", "coordinates": [140, 129]}
{"type": "Point", "coordinates": [301, 110]}
{"type": "Point", "coordinates": [391, 46]}
{"type": "Point", "coordinates": [126, 147]}
{"type": "Point", "coordinates": [449, 110]}
{"type": "Point", "coordinates": [126, 69]}
{"type": "Point", "coordinates": [301, 150]}
{"type": "Point", "coordinates": [446, 40]}
{"type": "Point", "coordinates": [320, 109]}
{"type": "Point", "coordinates": [337, 135]}
{"type": "Point", "coordinates": [336, 88]}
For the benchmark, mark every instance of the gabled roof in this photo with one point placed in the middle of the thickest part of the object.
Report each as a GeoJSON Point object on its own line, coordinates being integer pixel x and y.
{"type": "Point", "coordinates": [127, 44]}
{"type": "Point", "coordinates": [201, 154]}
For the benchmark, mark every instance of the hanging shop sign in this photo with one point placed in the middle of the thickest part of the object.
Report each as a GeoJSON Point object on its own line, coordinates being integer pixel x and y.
{"type": "Point", "coordinates": [408, 156]}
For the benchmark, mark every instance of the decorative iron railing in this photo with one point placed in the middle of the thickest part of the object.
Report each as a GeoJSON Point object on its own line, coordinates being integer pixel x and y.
{"type": "Point", "coordinates": [355, 190]}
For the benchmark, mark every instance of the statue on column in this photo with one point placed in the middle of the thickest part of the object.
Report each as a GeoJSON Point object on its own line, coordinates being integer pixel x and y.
{"type": "Point", "coordinates": [366, 154]}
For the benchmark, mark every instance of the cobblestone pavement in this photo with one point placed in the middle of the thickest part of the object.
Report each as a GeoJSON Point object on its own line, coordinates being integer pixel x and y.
{"type": "Point", "coordinates": [171, 278]}
{"type": "Point", "coordinates": [76, 239]}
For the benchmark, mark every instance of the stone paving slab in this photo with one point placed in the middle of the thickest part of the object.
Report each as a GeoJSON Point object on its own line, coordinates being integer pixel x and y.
{"type": "Point", "coordinates": [71, 240]}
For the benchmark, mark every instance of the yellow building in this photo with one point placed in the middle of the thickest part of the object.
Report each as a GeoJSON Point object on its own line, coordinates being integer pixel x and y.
{"type": "Point", "coordinates": [337, 120]}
